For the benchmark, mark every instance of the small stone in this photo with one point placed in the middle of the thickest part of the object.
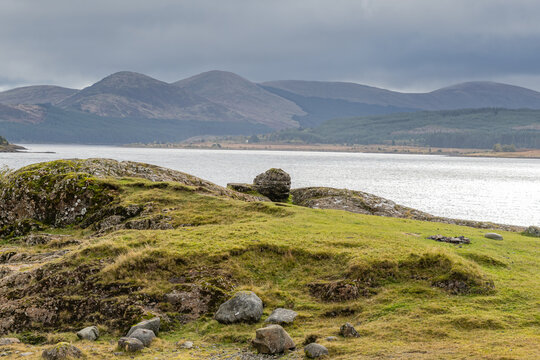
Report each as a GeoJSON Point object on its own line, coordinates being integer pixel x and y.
{"type": "Point", "coordinates": [62, 351]}
{"type": "Point", "coordinates": [331, 338]}
{"type": "Point", "coordinates": [90, 333]}
{"type": "Point", "coordinates": [152, 324]}
{"type": "Point", "coordinates": [493, 236]}
{"type": "Point", "coordinates": [9, 341]}
{"type": "Point", "coordinates": [26, 353]}
{"type": "Point", "coordinates": [282, 316]}
{"type": "Point", "coordinates": [144, 335]}
{"type": "Point", "coordinates": [130, 344]}
{"type": "Point", "coordinates": [315, 350]}
{"type": "Point", "coordinates": [272, 339]}
{"type": "Point", "coordinates": [187, 345]}
{"type": "Point", "coordinates": [347, 330]}
{"type": "Point", "coordinates": [244, 306]}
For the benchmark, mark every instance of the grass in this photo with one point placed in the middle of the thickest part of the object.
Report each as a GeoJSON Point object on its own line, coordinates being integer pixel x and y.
{"type": "Point", "coordinates": [228, 245]}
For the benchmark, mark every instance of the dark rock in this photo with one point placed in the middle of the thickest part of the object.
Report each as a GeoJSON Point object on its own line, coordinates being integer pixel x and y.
{"type": "Point", "coordinates": [311, 338]}
{"type": "Point", "coordinates": [274, 184]}
{"type": "Point", "coordinates": [282, 316]}
{"type": "Point", "coordinates": [347, 330]}
{"type": "Point", "coordinates": [129, 344]}
{"type": "Point", "coordinates": [272, 339]}
{"type": "Point", "coordinates": [241, 187]}
{"type": "Point", "coordinates": [314, 351]}
{"type": "Point", "coordinates": [88, 333]}
{"type": "Point", "coordinates": [451, 240]}
{"type": "Point", "coordinates": [493, 236]}
{"type": "Point", "coordinates": [144, 335]}
{"type": "Point", "coordinates": [532, 231]}
{"type": "Point", "coordinates": [152, 324]}
{"type": "Point", "coordinates": [62, 351]}
{"type": "Point", "coordinates": [245, 306]}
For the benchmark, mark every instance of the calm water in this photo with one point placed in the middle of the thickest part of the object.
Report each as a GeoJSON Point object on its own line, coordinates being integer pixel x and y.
{"type": "Point", "coordinates": [499, 190]}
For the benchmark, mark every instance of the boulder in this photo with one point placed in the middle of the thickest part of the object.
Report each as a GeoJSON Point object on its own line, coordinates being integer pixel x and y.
{"type": "Point", "coordinates": [244, 306]}
{"type": "Point", "coordinates": [493, 236]}
{"type": "Point", "coordinates": [347, 330]}
{"type": "Point", "coordinates": [315, 350]}
{"type": "Point", "coordinates": [532, 231]}
{"type": "Point", "coordinates": [88, 333]}
{"type": "Point", "coordinates": [62, 351]}
{"type": "Point", "coordinates": [272, 339]}
{"type": "Point", "coordinates": [274, 184]}
{"type": "Point", "coordinates": [130, 344]}
{"type": "Point", "coordinates": [144, 335]}
{"type": "Point", "coordinates": [282, 316]}
{"type": "Point", "coordinates": [9, 341]}
{"type": "Point", "coordinates": [152, 324]}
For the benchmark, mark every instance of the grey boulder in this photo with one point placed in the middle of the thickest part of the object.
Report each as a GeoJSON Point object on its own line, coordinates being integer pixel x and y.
{"type": "Point", "coordinates": [532, 231]}
{"type": "Point", "coordinates": [9, 341]}
{"type": "Point", "coordinates": [274, 184]}
{"type": "Point", "coordinates": [152, 324]}
{"type": "Point", "coordinates": [244, 306]}
{"type": "Point", "coordinates": [493, 236]}
{"type": "Point", "coordinates": [144, 335]}
{"type": "Point", "coordinates": [347, 330]}
{"type": "Point", "coordinates": [62, 351]}
{"type": "Point", "coordinates": [315, 350]}
{"type": "Point", "coordinates": [282, 316]}
{"type": "Point", "coordinates": [88, 333]}
{"type": "Point", "coordinates": [272, 339]}
{"type": "Point", "coordinates": [129, 344]}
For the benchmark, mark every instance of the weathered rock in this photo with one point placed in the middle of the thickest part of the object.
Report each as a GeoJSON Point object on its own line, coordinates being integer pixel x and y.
{"type": "Point", "coordinates": [311, 338]}
{"type": "Point", "coordinates": [532, 231]}
{"type": "Point", "coordinates": [272, 339]}
{"type": "Point", "coordinates": [186, 345]}
{"type": "Point", "coordinates": [274, 184]}
{"type": "Point", "coordinates": [152, 324]}
{"type": "Point", "coordinates": [62, 351]}
{"type": "Point", "coordinates": [451, 240]}
{"type": "Point", "coordinates": [493, 236]}
{"type": "Point", "coordinates": [347, 330]}
{"type": "Point", "coordinates": [315, 350]}
{"type": "Point", "coordinates": [88, 333]}
{"type": "Point", "coordinates": [331, 338]}
{"type": "Point", "coordinates": [244, 306]}
{"type": "Point", "coordinates": [129, 344]}
{"type": "Point", "coordinates": [9, 341]}
{"type": "Point", "coordinates": [282, 316]}
{"type": "Point", "coordinates": [144, 335]}
{"type": "Point", "coordinates": [242, 187]}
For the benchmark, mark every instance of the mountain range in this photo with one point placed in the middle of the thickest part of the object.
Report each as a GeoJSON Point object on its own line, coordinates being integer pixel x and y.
{"type": "Point", "coordinates": [129, 107]}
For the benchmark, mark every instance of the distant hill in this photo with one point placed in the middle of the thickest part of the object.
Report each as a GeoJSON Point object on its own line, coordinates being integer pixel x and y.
{"type": "Point", "coordinates": [468, 128]}
{"type": "Point", "coordinates": [244, 97]}
{"type": "Point", "coordinates": [41, 94]}
{"type": "Point", "coordinates": [461, 96]}
{"type": "Point", "coordinates": [131, 107]}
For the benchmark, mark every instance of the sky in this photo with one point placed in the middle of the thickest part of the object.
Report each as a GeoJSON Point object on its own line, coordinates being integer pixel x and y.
{"type": "Point", "coordinates": [405, 45]}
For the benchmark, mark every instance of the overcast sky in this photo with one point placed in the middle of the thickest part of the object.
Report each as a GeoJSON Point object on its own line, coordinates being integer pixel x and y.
{"type": "Point", "coordinates": [409, 45]}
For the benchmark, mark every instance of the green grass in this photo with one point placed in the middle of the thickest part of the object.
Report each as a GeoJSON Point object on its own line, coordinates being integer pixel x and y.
{"type": "Point", "coordinates": [278, 251]}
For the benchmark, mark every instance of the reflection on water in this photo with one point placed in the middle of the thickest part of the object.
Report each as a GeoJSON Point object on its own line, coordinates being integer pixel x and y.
{"type": "Point", "coordinates": [488, 189]}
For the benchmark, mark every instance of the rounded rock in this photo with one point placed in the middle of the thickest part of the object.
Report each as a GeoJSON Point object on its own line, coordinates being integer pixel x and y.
{"type": "Point", "coordinates": [130, 344]}
{"type": "Point", "coordinates": [274, 184]}
{"type": "Point", "coordinates": [282, 316]}
{"type": "Point", "coordinates": [493, 236]}
{"type": "Point", "coordinates": [144, 335]}
{"type": "Point", "coordinates": [90, 333]}
{"type": "Point", "coordinates": [272, 339]}
{"type": "Point", "coordinates": [62, 351]}
{"type": "Point", "coordinates": [315, 350]}
{"type": "Point", "coordinates": [244, 306]}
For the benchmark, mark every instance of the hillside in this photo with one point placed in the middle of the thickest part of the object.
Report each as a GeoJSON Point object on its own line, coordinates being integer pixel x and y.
{"type": "Point", "coordinates": [107, 243]}
{"type": "Point", "coordinates": [5, 146]}
{"type": "Point", "coordinates": [481, 128]}
{"type": "Point", "coordinates": [128, 107]}
{"type": "Point", "coordinates": [244, 97]}
{"type": "Point", "coordinates": [41, 94]}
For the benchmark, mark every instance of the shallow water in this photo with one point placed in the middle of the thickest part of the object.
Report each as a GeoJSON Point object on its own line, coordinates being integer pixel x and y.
{"type": "Point", "coordinates": [487, 189]}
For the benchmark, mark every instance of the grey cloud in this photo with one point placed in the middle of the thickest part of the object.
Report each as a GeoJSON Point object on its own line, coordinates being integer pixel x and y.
{"type": "Point", "coordinates": [415, 44]}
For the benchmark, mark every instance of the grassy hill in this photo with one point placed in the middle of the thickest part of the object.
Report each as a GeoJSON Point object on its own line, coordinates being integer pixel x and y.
{"type": "Point", "coordinates": [408, 296]}
{"type": "Point", "coordinates": [476, 128]}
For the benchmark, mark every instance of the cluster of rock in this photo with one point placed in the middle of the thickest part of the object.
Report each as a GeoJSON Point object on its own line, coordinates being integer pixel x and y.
{"type": "Point", "coordinates": [247, 307]}
{"type": "Point", "coordinates": [140, 335]}
{"type": "Point", "coordinates": [532, 231]}
{"type": "Point", "coordinates": [274, 184]}
{"type": "Point", "coordinates": [451, 240]}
